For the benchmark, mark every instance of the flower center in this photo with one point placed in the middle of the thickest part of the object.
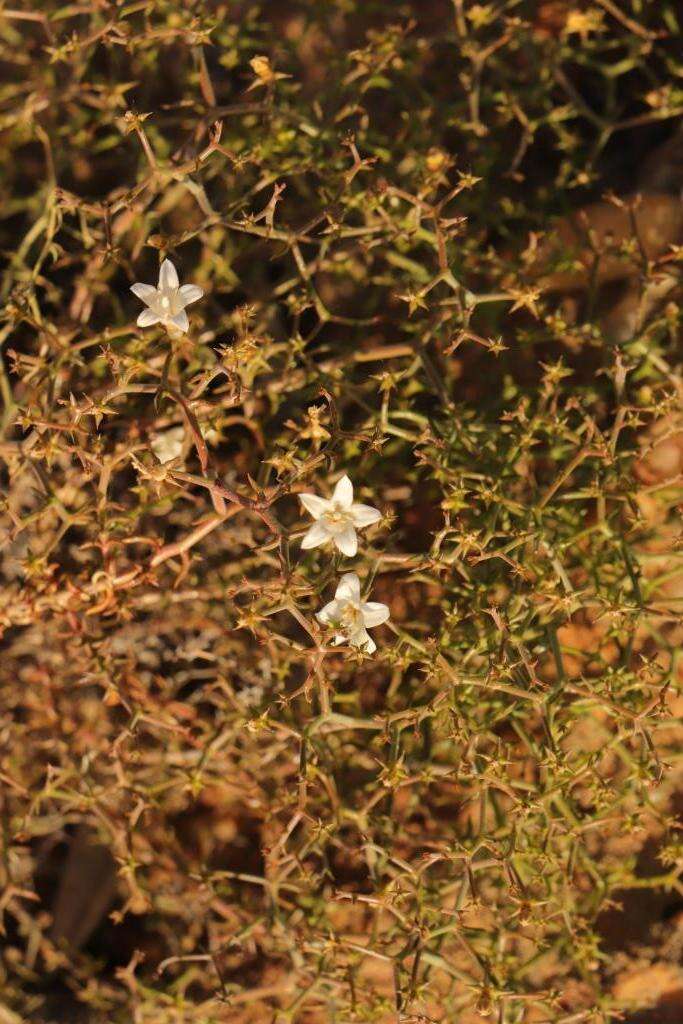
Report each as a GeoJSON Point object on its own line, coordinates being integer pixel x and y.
{"type": "Point", "coordinates": [338, 517]}
{"type": "Point", "coordinates": [351, 617]}
{"type": "Point", "coordinates": [165, 302]}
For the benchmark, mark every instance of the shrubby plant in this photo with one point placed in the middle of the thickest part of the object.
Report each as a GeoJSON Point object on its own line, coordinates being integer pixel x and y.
{"type": "Point", "coordinates": [437, 250]}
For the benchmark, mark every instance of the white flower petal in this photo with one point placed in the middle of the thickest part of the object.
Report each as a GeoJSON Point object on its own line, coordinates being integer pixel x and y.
{"type": "Point", "coordinates": [317, 535]}
{"type": "Point", "coordinates": [343, 492]}
{"type": "Point", "coordinates": [169, 445]}
{"type": "Point", "coordinates": [148, 318]}
{"type": "Point", "coordinates": [340, 639]}
{"type": "Point", "coordinates": [181, 321]}
{"type": "Point", "coordinates": [361, 638]}
{"type": "Point", "coordinates": [332, 612]}
{"type": "Point", "coordinates": [315, 505]}
{"type": "Point", "coordinates": [347, 541]}
{"type": "Point", "coordinates": [143, 291]}
{"type": "Point", "coordinates": [374, 613]}
{"type": "Point", "coordinates": [349, 588]}
{"type": "Point", "coordinates": [364, 515]}
{"type": "Point", "coordinates": [190, 293]}
{"type": "Point", "coordinates": [168, 277]}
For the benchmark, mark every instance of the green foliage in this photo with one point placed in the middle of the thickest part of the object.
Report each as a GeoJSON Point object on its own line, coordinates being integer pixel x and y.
{"type": "Point", "coordinates": [301, 832]}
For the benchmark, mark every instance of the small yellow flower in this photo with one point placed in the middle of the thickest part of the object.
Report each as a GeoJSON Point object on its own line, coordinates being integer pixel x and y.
{"type": "Point", "coordinates": [582, 23]}
{"type": "Point", "coordinates": [265, 75]}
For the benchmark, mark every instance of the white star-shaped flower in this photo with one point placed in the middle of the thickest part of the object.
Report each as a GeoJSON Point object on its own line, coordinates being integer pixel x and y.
{"type": "Point", "coordinates": [351, 616]}
{"type": "Point", "coordinates": [166, 303]}
{"type": "Point", "coordinates": [337, 518]}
